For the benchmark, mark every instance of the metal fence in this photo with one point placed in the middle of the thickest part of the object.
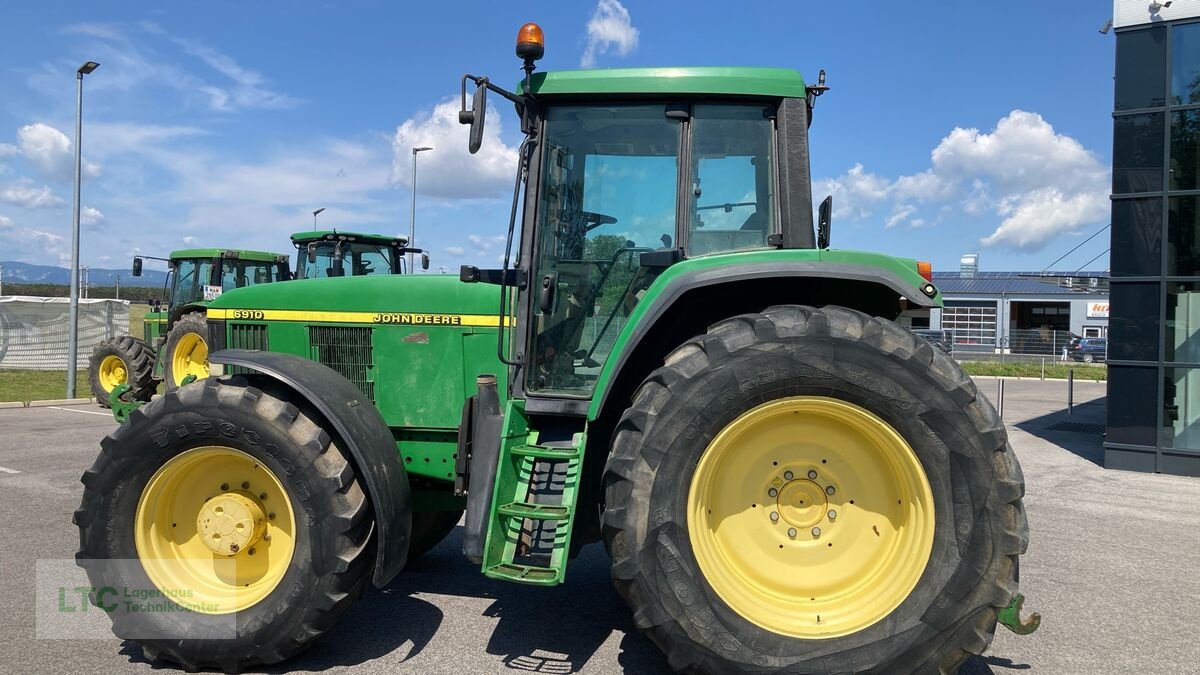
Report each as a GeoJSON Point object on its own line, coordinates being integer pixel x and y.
{"type": "Point", "coordinates": [1019, 345]}
{"type": "Point", "coordinates": [34, 331]}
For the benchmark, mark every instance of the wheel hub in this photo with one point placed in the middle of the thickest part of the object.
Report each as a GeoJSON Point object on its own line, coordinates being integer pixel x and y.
{"type": "Point", "coordinates": [802, 503]}
{"type": "Point", "coordinates": [230, 522]}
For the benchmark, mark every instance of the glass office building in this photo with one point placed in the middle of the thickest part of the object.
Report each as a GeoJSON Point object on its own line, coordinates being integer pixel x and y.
{"type": "Point", "coordinates": [1154, 326]}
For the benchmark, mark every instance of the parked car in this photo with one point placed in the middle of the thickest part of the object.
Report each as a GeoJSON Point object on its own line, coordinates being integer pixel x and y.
{"type": "Point", "coordinates": [937, 338]}
{"type": "Point", "coordinates": [1088, 350]}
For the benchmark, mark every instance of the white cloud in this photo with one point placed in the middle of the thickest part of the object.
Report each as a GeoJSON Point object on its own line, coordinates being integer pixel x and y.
{"type": "Point", "coordinates": [455, 250]}
{"type": "Point", "coordinates": [5, 221]}
{"type": "Point", "coordinates": [449, 170]}
{"type": "Point", "coordinates": [249, 88]}
{"type": "Point", "coordinates": [7, 150]}
{"type": "Point", "coordinates": [25, 195]}
{"type": "Point", "coordinates": [51, 152]}
{"type": "Point", "coordinates": [1038, 183]}
{"type": "Point", "coordinates": [609, 29]}
{"type": "Point", "coordinates": [90, 216]}
{"type": "Point", "coordinates": [189, 240]}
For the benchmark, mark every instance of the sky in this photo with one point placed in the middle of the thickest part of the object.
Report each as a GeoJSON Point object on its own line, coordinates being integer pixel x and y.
{"type": "Point", "coordinates": [950, 128]}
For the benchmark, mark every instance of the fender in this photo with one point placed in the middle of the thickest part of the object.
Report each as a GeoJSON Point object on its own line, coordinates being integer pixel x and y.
{"type": "Point", "coordinates": [363, 432]}
{"type": "Point", "coordinates": [898, 275]}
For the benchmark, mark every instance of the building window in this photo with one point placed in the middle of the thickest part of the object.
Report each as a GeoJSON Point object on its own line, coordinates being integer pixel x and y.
{"type": "Point", "coordinates": [1131, 405]}
{"type": "Point", "coordinates": [1182, 327]}
{"type": "Point", "coordinates": [1141, 69]}
{"type": "Point", "coordinates": [971, 326]}
{"type": "Point", "coordinates": [1183, 237]}
{"type": "Point", "coordinates": [1181, 408]}
{"type": "Point", "coordinates": [1136, 237]}
{"type": "Point", "coordinates": [1133, 325]}
{"type": "Point", "coordinates": [1138, 153]}
{"type": "Point", "coordinates": [1185, 64]}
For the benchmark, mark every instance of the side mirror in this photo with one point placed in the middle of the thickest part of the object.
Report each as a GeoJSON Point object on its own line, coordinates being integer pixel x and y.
{"type": "Point", "coordinates": [137, 267]}
{"type": "Point", "coordinates": [312, 252]}
{"type": "Point", "coordinates": [424, 260]}
{"type": "Point", "coordinates": [475, 116]}
{"type": "Point", "coordinates": [824, 222]}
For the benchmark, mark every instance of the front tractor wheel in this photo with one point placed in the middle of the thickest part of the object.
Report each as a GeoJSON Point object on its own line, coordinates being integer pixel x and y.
{"type": "Point", "coordinates": [233, 510]}
{"type": "Point", "coordinates": [122, 360]}
{"type": "Point", "coordinates": [813, 491]}
{"type": "Point", "coordinates": [186, 350]}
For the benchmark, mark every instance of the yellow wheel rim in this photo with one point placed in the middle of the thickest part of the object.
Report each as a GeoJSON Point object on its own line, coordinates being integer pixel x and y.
{"type": "Point", "coordinates": [215, 530]}
{"type": "Point", "coordinates": [112, 372]}
{"type": "Point", "coordinates": [811, 517]}
{"type": "Point", "coordinates": [189, 358]}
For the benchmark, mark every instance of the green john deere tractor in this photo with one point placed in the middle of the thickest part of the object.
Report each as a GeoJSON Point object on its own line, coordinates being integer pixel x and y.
{"type": "Point", "coordinates": [173, 344]}
{"type": "Point", "coordinates": [329, 253]}
{"type": "Point", "coordinates": [675, 364]}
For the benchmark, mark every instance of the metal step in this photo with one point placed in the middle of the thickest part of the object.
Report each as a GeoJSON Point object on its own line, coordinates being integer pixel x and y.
{"type": "Point", "coordinates": [525, 574]}
{"type": "Point", "coordinates": [536, 511]}
{"type": "Point", "coordinates": [542, 452]}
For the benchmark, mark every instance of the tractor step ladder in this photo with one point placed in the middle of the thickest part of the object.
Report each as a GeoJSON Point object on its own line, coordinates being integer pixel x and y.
{"type": "Point", "coordinates": [533, 506]}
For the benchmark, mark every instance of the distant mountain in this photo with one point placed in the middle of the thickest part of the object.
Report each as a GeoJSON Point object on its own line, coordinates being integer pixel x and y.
{"type": "Point", "coordinates": [24, 273]}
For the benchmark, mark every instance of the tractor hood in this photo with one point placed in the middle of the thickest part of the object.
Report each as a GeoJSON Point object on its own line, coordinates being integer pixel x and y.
{"type": "Point", "coordinates": [432, 294]}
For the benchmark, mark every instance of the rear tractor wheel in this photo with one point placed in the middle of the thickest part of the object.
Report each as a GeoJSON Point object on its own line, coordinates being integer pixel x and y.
{"type": "Point", "coordinates": [813, 491]}
{"type": "Point", "coordinates": [235, 516]}
{"type": "Point", "coordinates": [122, 360]}
{"type": "Point", "coordinates": [429, 528]}
{"type": "Point", "coordinates": [186, 350]}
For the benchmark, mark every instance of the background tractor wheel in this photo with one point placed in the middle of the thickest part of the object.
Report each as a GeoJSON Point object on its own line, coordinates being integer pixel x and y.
{"type": "Point", "coordinates": [245, 518]}
{"type": "Point", "coordinates": [813, 490]}
{"type": "Point", "coordinates": [122, 360]}
{"type": "Point", "coordinates": [186, 350]}
{"type": "Point", "coordinates": [429, 528]}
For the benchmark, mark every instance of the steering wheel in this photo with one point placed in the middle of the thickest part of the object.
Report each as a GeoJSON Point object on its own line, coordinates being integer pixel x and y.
{"type": "Point", "coordinates": [594, 220]}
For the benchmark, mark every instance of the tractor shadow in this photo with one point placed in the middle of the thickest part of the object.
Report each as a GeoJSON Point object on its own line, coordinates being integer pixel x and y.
{"type": "Point", "coordinates": [552, 630]}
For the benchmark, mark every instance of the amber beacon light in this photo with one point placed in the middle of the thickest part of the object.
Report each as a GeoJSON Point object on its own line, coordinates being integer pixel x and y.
{"type": "Point", "coordinates": [531, 42]}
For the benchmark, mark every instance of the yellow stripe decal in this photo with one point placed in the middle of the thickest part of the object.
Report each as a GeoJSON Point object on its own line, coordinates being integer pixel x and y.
{"type": "Point", "coordinates": [394, 318]}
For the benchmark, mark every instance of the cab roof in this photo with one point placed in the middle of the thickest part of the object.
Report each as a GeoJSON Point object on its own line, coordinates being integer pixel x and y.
{"type": "Point", "coordinates": [735, 81]}
{"type": "Point", "coordinates": [333, 235]}
{"type": "Point", "coordinates": [259, 256]}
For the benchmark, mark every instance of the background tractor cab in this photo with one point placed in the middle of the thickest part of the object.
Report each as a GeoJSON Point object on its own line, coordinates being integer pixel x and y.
{"type": "Point", "coordinates": [331, 253]}
{"type": "Point", "coordinates": [127, 369]}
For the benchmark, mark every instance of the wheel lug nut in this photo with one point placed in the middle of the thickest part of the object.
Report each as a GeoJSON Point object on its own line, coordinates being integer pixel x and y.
{"type": "Point", "coordinates": [830, 490]}
{"type": "Point", "coordinates": [792, 532]}
{"type": "Point", "coordinates": [832, 515]}
{"type": "Point", "coordinates": [224, 487]}
{"type": "Point", "coordinates": [774, 517]}
{"type": "Point", "coordinates": [788, 475]}
{"type": "Point", "coordinates": [816, 531]}
{"type": "Point", "coordinates": [250, 552]}
{"type": "Point", "coordinates": [773, 492]}
{"type": "Point", "coordinates": [245, 485]}
{"type": "Point", "coordinates": [270, 516]}
{"type": "Point", "coordinates": [262, 496]}
{"type": "Point", "coordinates": [267, 537]}
{"type": "Point", "coordinates": [812, 475]}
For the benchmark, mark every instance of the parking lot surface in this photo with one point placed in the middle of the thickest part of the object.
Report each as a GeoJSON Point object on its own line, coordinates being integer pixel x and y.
{"type": "Point", "coordinates": [1112, 567]}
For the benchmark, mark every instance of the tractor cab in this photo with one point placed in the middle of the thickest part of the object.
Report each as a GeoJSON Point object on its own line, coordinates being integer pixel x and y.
{"type": "Point", "coordinates": [322, 254]}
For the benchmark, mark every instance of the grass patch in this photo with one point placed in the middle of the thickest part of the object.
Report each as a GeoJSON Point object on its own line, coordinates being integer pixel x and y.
{"type": "Point", "coordinates": [39, 385]}
{"type": "Point", "coordinates": [1053, 370]}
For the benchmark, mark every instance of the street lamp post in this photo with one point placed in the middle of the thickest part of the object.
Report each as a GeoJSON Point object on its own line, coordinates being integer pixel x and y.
{"type": "Point", "coordinates": [72, 336]}
{"type": "Point", "coordinates": [315, 217]}
{"type": "Point", "coordinates": [412, 218]}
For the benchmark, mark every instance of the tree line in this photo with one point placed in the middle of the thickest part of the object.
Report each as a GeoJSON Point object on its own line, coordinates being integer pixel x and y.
{"type": "Point", "coordinates": [130, 293]}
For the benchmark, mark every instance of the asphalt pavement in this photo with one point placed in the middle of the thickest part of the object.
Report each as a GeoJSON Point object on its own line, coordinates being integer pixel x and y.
{"type": "Point", "coordinates": [1112, 568]}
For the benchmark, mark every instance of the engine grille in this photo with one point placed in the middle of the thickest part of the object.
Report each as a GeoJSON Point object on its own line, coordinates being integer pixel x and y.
{"type": "Point", "coordinates": [346, 349]}
{"type": "Point", "coordinates": [248, 336]}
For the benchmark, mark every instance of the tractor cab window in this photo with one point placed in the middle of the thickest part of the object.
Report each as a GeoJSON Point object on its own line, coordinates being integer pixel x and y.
{"type": "Point", "coordinates": [239, 273]}
{"type": "Point", "coordinates": [358, 259]}
{"type": "Point", "coordinates": [191, 276]}
{"type": "Point", "coordinates": [733, 187]}
{"type": "Point", "coordinates": [607, 195]}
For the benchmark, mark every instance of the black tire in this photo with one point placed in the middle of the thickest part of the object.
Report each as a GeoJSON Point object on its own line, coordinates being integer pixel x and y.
{"type": "Point", "coordinates": [979, 531]}
{"type": "Point", "coordinates": [334, 538]}
{"type": "Point", "coordinates": [138, 358]}
{"type": "Point", "coordinates": [429, 528]}
{"type": "Point", "coordinates": [190, 323]}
